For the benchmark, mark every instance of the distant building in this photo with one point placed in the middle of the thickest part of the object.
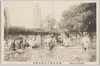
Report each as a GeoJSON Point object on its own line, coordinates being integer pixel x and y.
{"type": "Point", "coordinates": [37, 16]}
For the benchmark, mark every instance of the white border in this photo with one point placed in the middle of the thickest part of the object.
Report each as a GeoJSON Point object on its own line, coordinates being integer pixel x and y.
{"type": "Point", "coordinates": [86, 63]}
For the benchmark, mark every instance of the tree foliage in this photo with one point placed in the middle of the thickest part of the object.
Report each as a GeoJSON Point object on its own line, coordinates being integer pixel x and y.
{"type": "Point", "coordinates": [49, 23]}
{"type": "Point", "coordinates": [80, 17]}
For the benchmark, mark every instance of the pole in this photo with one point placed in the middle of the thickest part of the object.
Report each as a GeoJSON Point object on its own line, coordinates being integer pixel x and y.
{"type": "Point", "coordinates": [53, 10]}
{"type": "Point", "coordinates": [52, 14]}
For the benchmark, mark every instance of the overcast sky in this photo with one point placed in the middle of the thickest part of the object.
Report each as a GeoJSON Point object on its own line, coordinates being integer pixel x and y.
{"type": "Point", "coordinates": [21, 13]}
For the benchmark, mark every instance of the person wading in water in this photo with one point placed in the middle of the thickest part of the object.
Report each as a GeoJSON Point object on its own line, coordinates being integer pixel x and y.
{"type": "Point", "coordinates": [85, 41]}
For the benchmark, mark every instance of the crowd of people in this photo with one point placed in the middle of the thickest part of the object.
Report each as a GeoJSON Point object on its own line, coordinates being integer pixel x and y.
{"type": "Point", "coordinates": [49, 41]}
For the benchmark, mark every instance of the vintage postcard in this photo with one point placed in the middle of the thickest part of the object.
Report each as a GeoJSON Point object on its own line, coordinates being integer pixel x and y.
{"type": "Point", "coordinates": [49, 32]}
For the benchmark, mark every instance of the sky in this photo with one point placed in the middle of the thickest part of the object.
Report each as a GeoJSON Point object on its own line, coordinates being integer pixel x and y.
{"type": "Point", "coordinates": [21, 13]}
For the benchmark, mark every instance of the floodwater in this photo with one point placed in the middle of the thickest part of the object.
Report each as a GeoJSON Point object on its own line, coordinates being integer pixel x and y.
{"type": "Point", "coordinates": [58, 53]}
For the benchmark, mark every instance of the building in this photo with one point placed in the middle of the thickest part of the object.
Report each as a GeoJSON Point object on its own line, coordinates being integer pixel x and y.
{"type": "Point", "coordinates": [36, 16]}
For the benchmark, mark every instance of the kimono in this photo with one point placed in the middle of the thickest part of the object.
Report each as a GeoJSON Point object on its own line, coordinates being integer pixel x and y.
{"type": "Point", "coordinates": [66, 41]}
{"type": "Point", "coordinates": [85, 41]}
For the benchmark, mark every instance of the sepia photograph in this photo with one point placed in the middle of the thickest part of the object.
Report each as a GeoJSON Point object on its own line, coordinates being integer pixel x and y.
{"type": "Point", "coordinates": [49, 32]}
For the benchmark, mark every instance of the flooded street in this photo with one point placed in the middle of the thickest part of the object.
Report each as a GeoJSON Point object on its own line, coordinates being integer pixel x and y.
{"type": "Point", "coordinates": [58, 53]}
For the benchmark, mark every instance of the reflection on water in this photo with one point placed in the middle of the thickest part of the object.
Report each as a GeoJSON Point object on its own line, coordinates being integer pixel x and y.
{"type": "Point", "coordinates": [58, 53]}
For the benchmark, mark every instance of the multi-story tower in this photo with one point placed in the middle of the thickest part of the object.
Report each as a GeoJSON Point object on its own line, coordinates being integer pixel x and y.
{"type": "Point", "coordinates": [37, 16]}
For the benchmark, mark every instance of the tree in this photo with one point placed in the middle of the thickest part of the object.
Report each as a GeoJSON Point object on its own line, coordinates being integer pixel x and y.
{"type": "Point", "coordinates": [5, 24]}
{"type": "Point", "coordinates": [49, 23]}
{"type": "Point", "coordinates": [80, 17]}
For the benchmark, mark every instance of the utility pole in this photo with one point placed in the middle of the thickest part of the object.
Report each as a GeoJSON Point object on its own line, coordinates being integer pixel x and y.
{"type": "Point", "coordinates": [53, 10]}
{"type": "Point", "coordinates": [52, 14]}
